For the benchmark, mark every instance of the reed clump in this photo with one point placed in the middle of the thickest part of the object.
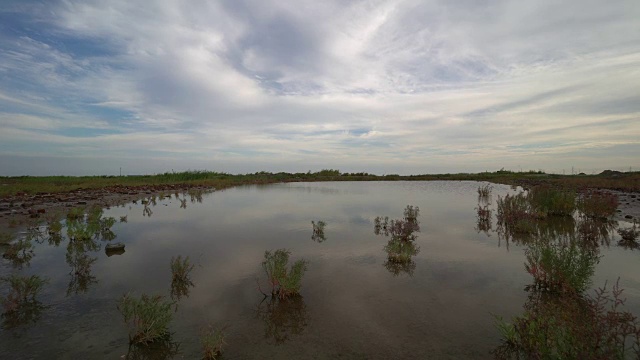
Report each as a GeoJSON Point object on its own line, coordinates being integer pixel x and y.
{"type": "Point", "coordinates": [147, 317]}
{"type": "Point", "coordinates": [212, 341]}
{"type": "Point", "coordinates": [284, 281]}
{"type": "Point", "coordinates": [597, 204]}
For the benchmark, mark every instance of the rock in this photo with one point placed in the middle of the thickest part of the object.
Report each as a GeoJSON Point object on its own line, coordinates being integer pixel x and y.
{"type": "Point", "coordinates": [628, 217]}
{"type": "Point", "coordinates": [114, 249]}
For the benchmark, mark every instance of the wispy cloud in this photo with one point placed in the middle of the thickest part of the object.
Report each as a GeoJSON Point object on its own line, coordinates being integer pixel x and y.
{"type": "Point", "coordinates": [385, 86]}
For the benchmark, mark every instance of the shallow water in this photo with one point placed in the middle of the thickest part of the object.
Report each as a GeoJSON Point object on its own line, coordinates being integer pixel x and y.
{"type": "Point", "coordinates": [352, 306]}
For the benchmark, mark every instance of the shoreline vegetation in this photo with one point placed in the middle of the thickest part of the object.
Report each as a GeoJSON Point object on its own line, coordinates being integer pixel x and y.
{"type": "Point", "coordinates": [33, 185]}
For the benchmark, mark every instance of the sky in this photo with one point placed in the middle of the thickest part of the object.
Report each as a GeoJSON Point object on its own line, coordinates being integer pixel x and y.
{"type": "Point", "coordinates": [408, 87]}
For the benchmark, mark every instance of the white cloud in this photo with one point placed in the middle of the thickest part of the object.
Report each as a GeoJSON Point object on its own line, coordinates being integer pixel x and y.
{"type": "Point", "coordinates": [387, 86]}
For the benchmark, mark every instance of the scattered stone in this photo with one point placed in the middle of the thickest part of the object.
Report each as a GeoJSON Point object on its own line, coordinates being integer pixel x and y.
{"type": "Point", "coordinates": [628, 217]}
{"type": "Point", "coordinates": [114, 249]}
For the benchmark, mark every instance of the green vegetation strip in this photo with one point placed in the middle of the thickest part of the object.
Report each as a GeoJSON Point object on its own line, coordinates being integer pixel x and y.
{"type": "Point", "coordinates": [11, 186]}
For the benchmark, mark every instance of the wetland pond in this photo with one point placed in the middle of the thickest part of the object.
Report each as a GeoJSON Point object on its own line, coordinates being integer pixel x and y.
{"type": "Point", "coordinates": [354, 303]}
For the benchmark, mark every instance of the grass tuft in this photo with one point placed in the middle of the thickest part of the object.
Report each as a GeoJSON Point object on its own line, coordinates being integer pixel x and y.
{"type": "Point", "coordinates": [284, 282]}
{"type": "Point", "coordinates": [147, 318]}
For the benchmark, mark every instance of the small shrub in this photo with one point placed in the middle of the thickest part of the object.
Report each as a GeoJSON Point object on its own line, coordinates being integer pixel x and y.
{"type": "Point", "coordinates": [180, 277]}
{"type": "Point", "coordinates": [284, 283]}
{"type": "Point", "coordinates": [212, 341]}
{"type": "Point", "coordinates": [484, 191]}
{"type": "Point", "coordinates": [630, 234]}
{"type": "Point", "coordinates": [483, 218]}
{"type": "Point", "coordinates": [381, 226]}
{"type": "Point", "coordinates": [147, 317]}
{"type": "Point", "coordinates": [515, 214]}
{"type": "Point", "coordinates": [629, 237]}
{"type": "Point", "coordinates": [403, 229]}
{"type": "Point", "coordinates": [21, 305]}
{"type": "Point", "coordinates": [23, 288]}
{"type": "Point", "coordinates": [560, 267]}
{"type": "Point", "coordinates": [571, 326]}
{"type": "Point", "coordinates": [598, 204]}
{"type": "Point", "coordinates": [318, 231]}
{"type": "Point", "coordinates": [20, 252]}
{"type": "Point", "coordinates": [546, 200]}
{"type": "Point", "coordinates": [399, 251]}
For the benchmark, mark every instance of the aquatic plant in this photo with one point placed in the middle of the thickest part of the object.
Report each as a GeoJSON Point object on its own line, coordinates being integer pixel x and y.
{"type": "Point", "coordinates": [123, 219]}
{"type": "Point", "coordinates": [20, 252]}
{"type": "Point", "coordinates": [484, 217]}
{"type": "Point", "coordinates": [399, 251]}
{"type": "Point", "coordinates": [629, 237]}
{"type": "Point", "coordinates": [597, 204]}
{"type": "Point", "coordinates": [21, 305]}
{"type": "Point", "coordinates": [284, 282]}
{"type": "Point", "coordinates": [515, 214]}
{"type": "Point", "coordinates": [180, 277]}
{"type": "Point", "coordinates": [318, 231]}
{"type": "Point", "coordinates": [212, 341]}
{"type": "Point", "coordinates": [381, 225]}
{"type": "Point", "coordinates": [547, 200]}
{"type": "Point", "coordinates": [484, 191]}
{"type": "Point", "coordinates": [147, 318]}
{"type": "Point", "coordinates": [571, 326]}
{"type": "Point", "coordinates": [558, 267]}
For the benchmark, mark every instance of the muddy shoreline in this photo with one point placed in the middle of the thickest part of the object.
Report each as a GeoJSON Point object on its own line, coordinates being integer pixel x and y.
{"type": "Point", "coordinates": [21, 209]}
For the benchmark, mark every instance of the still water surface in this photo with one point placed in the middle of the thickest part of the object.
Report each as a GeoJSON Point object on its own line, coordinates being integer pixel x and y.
{"type": "Point", "coordinates": [352, 305]}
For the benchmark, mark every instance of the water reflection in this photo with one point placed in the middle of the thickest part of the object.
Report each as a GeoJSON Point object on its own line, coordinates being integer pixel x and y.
{"type": "Point", "coordinates": [21, 306]}
{"type": "Point", "coordinates": [19, 252]}
{"type": "Point", "coordinates": [560, 320]}
{"type": "Point", "coordinates": [400, 268]}
{"type": "Point", "coordinates": [484, 217]}
{"type": "Point", "coordinates": [282, 317]}
{"type": "Point", "coordinates": [160, 349]}
{"type": "Point", "coordinates": [318, 231]}
{"type": "Point", "coordinates": [401, 247]}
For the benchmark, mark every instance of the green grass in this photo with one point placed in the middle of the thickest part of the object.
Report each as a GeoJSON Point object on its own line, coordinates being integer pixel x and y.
{"type": "Point", "coordinates": [212, 341]}
{"type": "Point", "coordinates": [147, 317]}
{"type": "Point", "coordinates": [55, 184]}
{"type": "Point", "coordinates": [548, 200]}
{"type": "Point", "coordinates": [181, 277]}
{"type": "Point", "coordinates": [284, 282]}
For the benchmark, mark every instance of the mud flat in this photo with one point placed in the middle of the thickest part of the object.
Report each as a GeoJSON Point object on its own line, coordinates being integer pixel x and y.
{"type": "Point", "coordinates": [22, 208]}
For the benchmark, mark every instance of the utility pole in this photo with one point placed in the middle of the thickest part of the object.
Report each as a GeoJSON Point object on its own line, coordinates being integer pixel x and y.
{"type": "Point", "coordinates": [120, 171]}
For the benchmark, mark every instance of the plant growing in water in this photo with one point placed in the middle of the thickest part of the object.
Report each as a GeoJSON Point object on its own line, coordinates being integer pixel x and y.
{"type": "Point", "coordinates": [571, 326]}
{"type": "Point", "coordinates": [399, 251]}
{"type": "Point", "coordinates": [484, 191]}
{"type": "Point", "coordinates": [318, 231]}
{"type": "Point", "coordinates": [284, 282]}
{"type": "Point", "coordinates": [598, 204]}
{"type": "Point", "coordinates": [483, 218]}
{"type": "Point", "coordinates": [629, 237]}
{"type": "Point", "coordinates": [21, 306]}
{"type": "Point", "coordinates": [515, 214]}
{"type": "Point", "coordinates": [180, 277]}
{"type": "Point", "coordinates": [546, 200]}
{"type": "Point", "coordinates": [212, 341]}
{"type": "Point", "coordinates": [147, 318]}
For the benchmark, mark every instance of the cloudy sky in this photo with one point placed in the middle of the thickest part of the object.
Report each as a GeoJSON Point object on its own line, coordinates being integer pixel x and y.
{"type": "Point", "coordinates": [87, 87]}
